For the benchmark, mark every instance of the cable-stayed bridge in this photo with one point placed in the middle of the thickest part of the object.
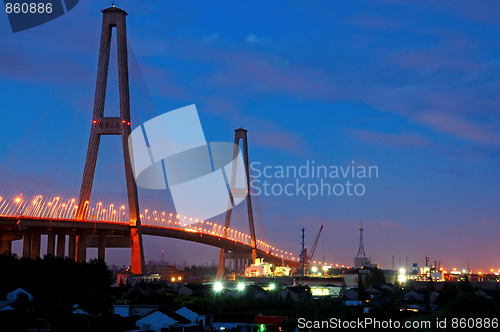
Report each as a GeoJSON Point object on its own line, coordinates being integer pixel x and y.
{"type": "Point", "coordinates": [74, 224]}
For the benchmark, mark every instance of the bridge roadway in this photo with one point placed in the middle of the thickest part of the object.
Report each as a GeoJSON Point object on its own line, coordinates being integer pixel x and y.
{"type": "Point", "coordinates": [83, 234]}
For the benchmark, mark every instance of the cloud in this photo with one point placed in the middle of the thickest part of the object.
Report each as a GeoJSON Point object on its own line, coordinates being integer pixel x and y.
{"type": "Point", "coordinates": [224, 107]}
{"type": "Point", "coordinates": [414, 83]}
{"type": "Point", "coordinates": [460, 127]}
{"type": "Point", "coordinates": [164, 82]}
{"type": "Point", "coordinates": [280, 139]}
{"type": "Point", "coordinates": [387, 224]}
{"type": "Point", "coordinates": [438, 58]}
{"type": "Point", "coordinates": [251, 38]}
{"type": "Point", "coordinates": [262, 75]}
{"type": "Point", "coordinates": [45, 67]}
{"type": "Point", "coordinates": [388, 139]}
{"type": "Point", "coordinates": [447, 171]}
{"type": "Point", "coordinates": [210, 38]}
{"type": "Point", "coordinates": [482, 12]}
{"type": "Point", "coordinates": [264, 132]}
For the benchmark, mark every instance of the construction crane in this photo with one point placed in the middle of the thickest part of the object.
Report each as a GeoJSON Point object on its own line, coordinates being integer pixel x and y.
{"type": "Point", "coordinates": [308, 258]}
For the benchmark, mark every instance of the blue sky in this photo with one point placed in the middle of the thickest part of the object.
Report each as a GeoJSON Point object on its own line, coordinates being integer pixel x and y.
{"type": "Point", "coordinates": [411, 88]}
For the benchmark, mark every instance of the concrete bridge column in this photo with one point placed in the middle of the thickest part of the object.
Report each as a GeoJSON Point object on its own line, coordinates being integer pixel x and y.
{"type": "Point", "coordinates": [5, 243]}
{"type": "Point", "coordinates": [101, 249]}
{"type": "Point", "coordinates": [27, 245]}
{"type": "Point", "coordinates": [35, 245]}
{"type": "Point", "coordinates": [5, 246]}
{"type": "Point", "coordinates": [71, 246]}
{"type": "Point", "coordinates": [81, 253]}
{"type": "Point", "coordinates": [51, 244]}
{"type": "Point", "coordinates": [61, 245]}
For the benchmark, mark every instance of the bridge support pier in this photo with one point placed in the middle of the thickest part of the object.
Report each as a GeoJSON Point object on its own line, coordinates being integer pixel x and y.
{"type": "Point", "coordinates": [236, 266]}
{"type": "Point", "coordinates": [242, 266]}
{"type": "Point", "coordinates": [27, 245]}
{"type": "Point", "coordinates": [101, 249]}
{"type": "Point", "coordinates": [239, 134]}
{"type": "Point", "coordinates": [35, 245]}
{"type": "Point", "coordinates": [137, 258]}
{"type": "Point", "coordinates": [51, 244]}
{"type": "Point", "coordinates": [61, 245]}
{"type": "Point", "coordinates": [5, 246]}
{"type": "Point", "coordinates": [113, 17]}
{"type": "Point", "coordinates": [5, 243]}
{"type": "Point", "coordinates": [239, 266]}
{"type": "Point", "coordinates": [81, 253]}
{"type": "Point", "coordinates": [71, 246]}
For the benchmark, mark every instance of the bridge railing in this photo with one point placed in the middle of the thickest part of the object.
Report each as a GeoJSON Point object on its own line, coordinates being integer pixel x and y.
{"type": "Point", "coordinates": [56, 207]}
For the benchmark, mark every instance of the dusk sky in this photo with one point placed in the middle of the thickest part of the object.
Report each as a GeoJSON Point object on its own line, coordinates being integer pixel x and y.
{"type": "Point", "coordinates": [409, 88]}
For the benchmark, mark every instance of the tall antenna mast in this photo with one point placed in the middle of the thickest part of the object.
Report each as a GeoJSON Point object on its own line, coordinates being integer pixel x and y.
{"type": "Point", "coordinates": [303, 253]}
{"type": "Point", "coordinates": [361, 250]}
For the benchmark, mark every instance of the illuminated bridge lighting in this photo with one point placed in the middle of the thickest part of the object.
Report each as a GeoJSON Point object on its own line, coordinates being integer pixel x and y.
{"type": "Point", "coordinates": [61, 208]}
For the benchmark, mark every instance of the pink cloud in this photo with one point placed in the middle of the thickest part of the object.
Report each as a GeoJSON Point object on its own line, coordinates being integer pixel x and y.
{"type": "Point", "coordinates": [459, 127]}
{"type": "Point", "coordinates": [271, 135]}
{"type": "Point", "coordinates": [164, 82]}
{"type": "Point", "coordinates": [431, 60]}
{"type": "Point", "coordinates": [264, 132]}
{"type": "Point", "coordinates": [280, 140]}
{"type": "Point", "coordinates": [261, 75]}
{"type": "Point", "coordinates": [387, 224]}
{"type": "Point", "coordinates": [388, 139]}
{"type": "Point", "coordinates": [254, 71]}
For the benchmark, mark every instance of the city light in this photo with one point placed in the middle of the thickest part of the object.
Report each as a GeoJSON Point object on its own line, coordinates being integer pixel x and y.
{"type": "Point", "coordinates": [218, 287]}
{"type": "Point", "coordinates": [241, 286]}
{"type": "Point", "coordinates": [314, 269]}
{"type": "Point", "coordinates": [272, 287]}
{"type": "Point", "coordinates": [402, 275]}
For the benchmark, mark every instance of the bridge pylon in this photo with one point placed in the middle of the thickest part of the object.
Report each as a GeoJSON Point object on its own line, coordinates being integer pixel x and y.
{"type": "Point", "coordinates": [113, 17]}
{"type": "Point", "coordinates": [239, 134]}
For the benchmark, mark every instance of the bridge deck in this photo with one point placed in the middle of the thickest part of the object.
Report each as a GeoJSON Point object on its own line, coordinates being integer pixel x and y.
{"type": "Point", "coordinates": [19, 224]}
